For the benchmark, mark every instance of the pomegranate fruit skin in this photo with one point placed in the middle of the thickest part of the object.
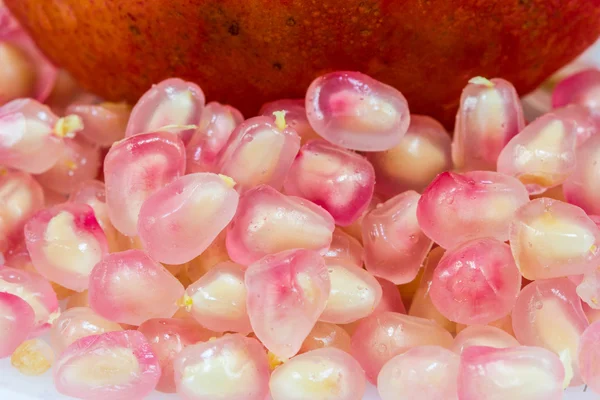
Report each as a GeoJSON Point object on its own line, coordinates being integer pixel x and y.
{"type": "Point", "coordinates": [227, 48]}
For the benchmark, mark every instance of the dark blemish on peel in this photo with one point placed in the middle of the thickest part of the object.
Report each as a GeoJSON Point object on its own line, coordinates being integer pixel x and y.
{"type": "Point", "coordinates": [234, 29]}
{"type": "Point", "coordinates": [290, 21]}
{"type": "Point", "coordinates": [135, 30]}
{"type": "Point", "coordinates": [278, 66]}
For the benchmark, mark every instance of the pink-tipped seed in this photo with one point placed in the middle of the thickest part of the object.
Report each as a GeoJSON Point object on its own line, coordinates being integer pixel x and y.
{"type": "Point", "coordinates": [345, 248]}
{"type": "Point", "coordinates": [324, 335]}
{"type": "Point", "coordinates": [295, 116]}
{"type": "Point", "coordinates": [582, 88]}
{"type": "Point", "coordinates": [582, 187]}
{"type": "Point", "coordinates": [483, 335]}
{"type": "Point", "coordinates": [16, 322]}
{"type": "Point", "coordinates": [589, 357]}
{"type": "Point", "coordinates": [103, 123]}
{"type": "Point", "coordinates": [588, 288]}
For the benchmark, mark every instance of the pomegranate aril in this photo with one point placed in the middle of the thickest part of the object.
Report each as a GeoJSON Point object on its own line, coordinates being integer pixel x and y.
{"type": "Point", "coordinates": [129, 287]}
{"type": "Point", "coordinates": [456, 207]}
{"type": "Point", "coordinates": [355, 230]}
{"type": "Point", "coordinates": [426, 373]}
{"type": "Point", "coordinates": [33, 357]}
{"type": "Point", "coordinates": [173, 103]}
{"type": "Point", "coordinates": [77, 323]}
{"type": "Point", "coordinates": [339, 180]}
{"type": "Point", "coordinates": [582, 187]}
{"type": "Point", "coordinates": [550, 238]}
{"type": "Point", "coordinates": [421, 154]}
{"type": "Point", "coordinates": [586, 125]}
{"type": "Point", "coordinates": [548, 314]}
{"type": "Point", "coordinates": [17, 73]}
{"type": "Point", "coordinates": [295, 116]}
{"type": "Point", "coordinates": [395, 246]}
{"type": "Point", "coordinates": [380, 338]}
{"type": "Point", "coordinates": [322, 374]}
{"type": "Point", "coordinates": [324, 335]}
{"type": "Point", "coordinates": [589, 288]}
{"type": "Point", "coordinates": [214, 254]}
{"type": "Point", "coordinates": [289, 291]}
{"type": "Point", "coordinates": [259, 151]}
{"type": "Point", "coordinates": [136, 167]}
{"type": "Point", "coordinates": [17, 320]}
{"type": "Point", "coordinates": [113, 365]}
{"type": "Point", "coordinates": [345, 248]}
{"type": "Point", "coordinates": [103, 123]}
{"type": "Point", "coordinates": [357, 112]}
{"type": "Point", "coordinates": [483, 335]}
{"type": "Point", "coordinates": [65, 243]}
{"type": "Point", "coordinates": [589, 356]}
{"type": "Point", "coordinates": [218, 299]}
{"type": "Point", "coordinates": [233, 367]}
{"type": "Point", "coordinates": [517, 373]}
{"type": "Point", "coordinates": [582, 88]}
{"type": "Point", "coordinates": [167, 338]}
{"type": "Point", "coordinates": [490, 115]}
{"type": "Point", "coordinates": [268, 222]}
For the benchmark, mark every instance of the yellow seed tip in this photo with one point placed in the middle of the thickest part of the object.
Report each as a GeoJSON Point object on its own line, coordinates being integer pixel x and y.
{"type": "Point", "coordinates": [228, 180]}
{"type": "Point", "coordinates": [68, 126]}
{"type": "Point", "coordinates": [274, 361]}
{"type": "Point", "coordinates": [185, 302]}
{"type": "Point", "coordinates": [53, 317]}
{"type": "Point", "coordinates": [593, 248]}
{"type": "Point", "coordinates": [280, 119]}
{"type": "Point", "coordinates": [480, 80]}
{"type": "Point", "coordinates": [70, 164]}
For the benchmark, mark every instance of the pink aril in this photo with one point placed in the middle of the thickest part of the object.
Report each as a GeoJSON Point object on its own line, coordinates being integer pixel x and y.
{"type": "Point", "coordinates": [289, 291]}
{"type": "Point", "coordinates": [339, 180]}
{"type": "Point", "coordinates": [517, 373]}
{"type": "Point", "coordinates": [589, 356]}
{"type": "Point", "coordinates": [584, 119]}
{"type": "Point", "coordinates": [136, 167]}
{"type": "Point", "coordinates": [542, 155]}
{"type": "Point", "coordinates": [103, 123]}
{"type": "Point", "coordinates": [129, 287]}
{"type": "Point", "coordinates": [216, 125]}
{"type": "Point", "coordinates": [232, 367]}
{"type": "Point", "coordinates": [35, 290]}
{"type": "Point", "coordinates": [76, 323]}
{"type": "Point", "coordinates": [65, 242]}
{"type": "Point", "coordinates": [345, 248]}
{"type": "Point", "coordinates": [354, 293]}
{"type": "Point", "coordinates": [173, 103]}
{"type": "Point", "coordinates": [355, 230]}
{"type": "Point", "coordinates": [377, 340]}
{"type": "Point", "coordinates": [592, 314]}
{"type": "Point", "coordinates": [589, 288]}
{"type": "Point", "coordinates": [483, 335]}
{"type": "Point", "coordinates": [218, 299]}
{"type": "Point", "coordinates": [354, 111]}
{"type": "Point", "coordinates": [214, 254]}
{"type": "Point", "coordinates": [550, 238]}
{"type": "Point", "coordinates": [476, 282]}
{"type": "Point", "coordinates": [324, 335]}
{"type": "Point", "coordinates": [548, 314]}
{"type": "Point", "coordinates": [321, 374]}
{"type": "Point", "coordinates": [21, 196]}
{"type": "Point", "coordinates": [179, 221]}
{"type": "Point", "coordinates": [456, 207]}
{"type": "Point", "coordinates": [395, 246]}
{"type": "Point", "coordinates": [31, 135]}
{"type": "Point", "coordinates": [79, 162]}
{"type": "Point", "coordinates": [167, 338]}
{"type": "Point", "coordinates": [16, 322]}
{"type": "Point", "coordinates": [268, 222]}
{"type": "Point", "coordinates": [582, 187]}
{"type": "Point", "coordinates": [582, 88]}
{"type": "Point", "coordinates": [489, 116]}
{"type": "Point", "coordinates": [17, 73]}
{"type": "Point", "coordinates": [426, 372]}
{"type": "Point", "coordinates": [114, 365]}
{"type": "Point", "coordinates": [259, 151]}
{"type": "Point", "coordinates": [422, 153]}
{"type": "Point", "coordinates": [295, 116]}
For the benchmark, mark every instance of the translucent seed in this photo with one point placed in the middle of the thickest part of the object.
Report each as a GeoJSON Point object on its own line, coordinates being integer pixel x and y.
{"type": "Point", "coordinates": [489, 115]}
{"type": "Point", "coordinates": [325, 335]}
{"type": "Point", "coordinates": [135, 168]}
{"type": "Point", "coordinates": [548, 314]}
{"type": "Point", "coordinates": [259, 152]}
{"type": "Point", "coordinates": [339, 180]}
{"type": "Point", "coordinates": [582, 88]}
{"type": "Point", "coordinates": [103, 123]}
{"type": "Point", "coordinates": [542, 155]}
{"type": "Point", "coordinates": [179, 221]}
{"type": "Point", "coordinates": [16, 322]}
{"type": "Point", "coordinates": [478, 335]}
{"type": "Point", "coordinates": [379, 339]}
{"type": "Point", "coordinates": [168, 337]}
{"type": "Point", "coordinates": [171, 103]}
{"type": "Point", "coordinates": [17, 73]}
{"type": "Point", "coordinates": [218, 299]}
{"type": "Point", "coordinates": [288, 290]}
{"type": "Point", "coordinates": [549, 239]}
{"type": "Point", "coordinates": [114, 365]}
{"type": "Point", "coordinates": [268, 222]}
{"type": "Point", "coordinates": [129, 287]}
{"type": "Point", "coordinates": [76, 323]}
{"type": "Point", "coordinates": [586, 123]}
{"type": "Point", "coordinates": [33, 357]}
{"type": "Point", "coordinates": [295, 116]}
{"type": "Point", "coordinates": [216, 125]}
{"type": "Point", "coordinates": [357, 112]}
{"type": "Point", "coordinates": [322, 374]}
{"type": "Point", "coordinates": [355, 230]}
{"type": "Point", "coordinates": [589, 357]}
{"type": "Point", "coordinates": [395, 246]}
{"type": "Point", "coordinates": [456, 208]}
{"type": "Point", "coordinates": [229, 368]}
{"type": "Point", "coordinates": [345, 248]}
{"type": "Point", "coordinates": [215, 253]}
{"type": "Point", "coordinates": [428, 372]}
{"type": "Point", "coordinates": [582, 187]}
{"type": "Point", "coordinates": [517, 373]}
{"type": "Point", "coordinates": [421, 154]}
{"type": "Point", "coordinates": [354, 293]}
{"type": "Point", "coordinates": [476, 283]}
{"type": "Point", "coordinates": [589, 288]}
{"type": "Point", "coordinates": [35, 290]}
{"type": "Point", "coordinates": [65, 92]}
{"type": "Point", "coordinates": [592, 314]}
{"type": "Point", "coordinates": [65, 242]}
